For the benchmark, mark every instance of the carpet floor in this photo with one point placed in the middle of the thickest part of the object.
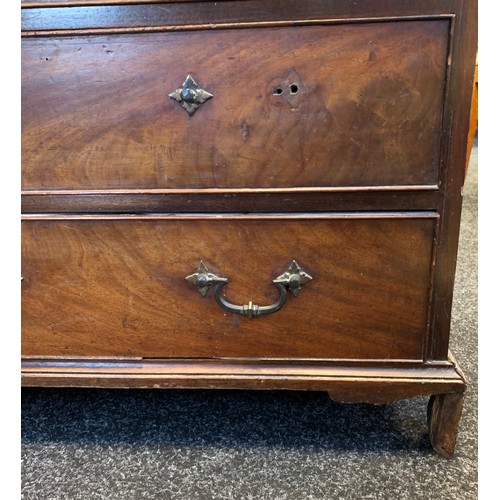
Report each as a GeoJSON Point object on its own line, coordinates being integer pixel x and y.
{"type": "Point", "coordinates": [209, 445]}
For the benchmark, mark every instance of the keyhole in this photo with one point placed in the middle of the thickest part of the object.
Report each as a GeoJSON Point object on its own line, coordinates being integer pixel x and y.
{"type": "Point", "coordinates": [294, 89]}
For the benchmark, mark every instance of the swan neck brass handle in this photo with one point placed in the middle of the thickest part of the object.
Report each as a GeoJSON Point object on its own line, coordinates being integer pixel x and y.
{"type": "Point", "coordinates": [292, 279]}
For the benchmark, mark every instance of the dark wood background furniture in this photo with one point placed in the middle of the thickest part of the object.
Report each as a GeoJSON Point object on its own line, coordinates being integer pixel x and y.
{"type": "Point", "coordinates": [251, 194]}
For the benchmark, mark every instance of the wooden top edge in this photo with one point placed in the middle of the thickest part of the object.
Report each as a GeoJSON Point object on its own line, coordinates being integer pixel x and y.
{"type": "Point", "coordinates": [33, 4]}
{"type": "Point", "coordinates": [238, 216]}
{"type": "Point", "coordinates": [30, 4]}
{"type": "Point", "coordinates": [344, 362]}
{"type": "Point", "coordinates": [33, 360]}
{"type": "Point", "coordinates": [218, 191]}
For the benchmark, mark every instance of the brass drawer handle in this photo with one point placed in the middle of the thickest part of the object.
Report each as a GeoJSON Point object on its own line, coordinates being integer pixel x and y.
{"type": "Point", "coordinates": [190, 96]}
{"type": "Point", "coordinates": [292, 279]}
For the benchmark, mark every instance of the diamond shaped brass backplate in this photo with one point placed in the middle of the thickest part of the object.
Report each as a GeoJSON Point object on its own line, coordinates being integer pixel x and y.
{"type": "Point", "coordinates": [190, 96]}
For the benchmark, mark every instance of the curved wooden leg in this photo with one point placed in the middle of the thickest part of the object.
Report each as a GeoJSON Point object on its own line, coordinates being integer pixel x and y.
{"type": "Point", "coordinates": [443, 414]}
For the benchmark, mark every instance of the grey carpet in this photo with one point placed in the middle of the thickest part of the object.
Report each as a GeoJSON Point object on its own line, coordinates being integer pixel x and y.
{"type": "Point", "coordinates": [190, 445]}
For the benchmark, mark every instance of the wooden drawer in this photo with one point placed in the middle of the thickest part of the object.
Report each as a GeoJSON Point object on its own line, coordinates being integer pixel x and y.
{"type": "Point", "coordinates": [295, 106]}
{"type": "Point", "coordinates": [115, 286]}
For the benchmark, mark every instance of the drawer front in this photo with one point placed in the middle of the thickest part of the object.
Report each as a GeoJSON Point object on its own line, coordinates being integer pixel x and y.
{"type": "Point", "coordinates": [307, 106]}
{"type": "Point", "coordinates": [104, 286]}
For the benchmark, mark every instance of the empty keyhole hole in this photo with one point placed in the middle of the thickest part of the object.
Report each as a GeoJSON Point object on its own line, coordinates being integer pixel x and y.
{"type": "Point", "coordinates": [278, 91]}
{"type": "Point", "coordinates": [294, 88]}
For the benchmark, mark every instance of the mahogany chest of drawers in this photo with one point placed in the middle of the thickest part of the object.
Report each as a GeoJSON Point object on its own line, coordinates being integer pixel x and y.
{"type": "Point", "coordinates": [251, 194]}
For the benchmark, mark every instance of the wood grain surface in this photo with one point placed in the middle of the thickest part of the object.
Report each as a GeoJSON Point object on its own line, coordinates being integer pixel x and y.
{"type": "Point", "coordinates": [117, 287]}
{"type": "Point", "coordinates": [367, 110]}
